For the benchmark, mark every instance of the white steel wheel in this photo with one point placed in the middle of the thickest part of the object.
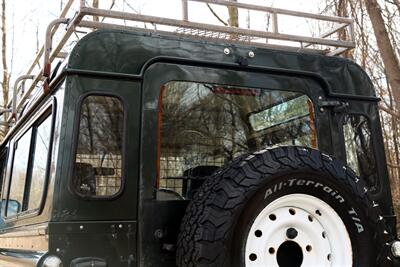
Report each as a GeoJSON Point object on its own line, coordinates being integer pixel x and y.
{"type": "Point", "coordinates": [298, 230]}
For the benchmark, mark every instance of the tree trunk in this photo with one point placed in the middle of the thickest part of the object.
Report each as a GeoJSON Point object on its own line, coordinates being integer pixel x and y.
{"type": "Point", "coordinates": [95, 4]}
{"type": "Point", "coordinates": [233, 20]}
{"type": "Point", "coordinates": [342, 10]}
{"type": "Point", "coordinates": [6, 75]}
{"type": "Point", "coordinates": [233, 15]}
{"type": "Point", "coordinates": [389, 57]}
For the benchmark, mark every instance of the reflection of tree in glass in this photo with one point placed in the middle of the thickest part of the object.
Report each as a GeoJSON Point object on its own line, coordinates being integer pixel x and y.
{"type": "Point", "coordinates": [100, 140]}
{"type": "Point", "coordinates": [100, 125]}
{"type": "Point", "coordinates": [20, 166]}
{"type": "Point", "coordinates": [206, 123]}
{"type": "Point", "coordinates": [359, 148]}
{"type": "Point", "coordinates": [39, 163]}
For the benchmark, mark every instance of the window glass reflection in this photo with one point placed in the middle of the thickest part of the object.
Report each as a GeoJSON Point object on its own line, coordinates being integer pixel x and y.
{"type": "Point", "coordinates": [359, 148]}
{"type": "Point", "coordinates": [205, 125]}
{"type": "Point", "coordinates": [98, 164]}
{"type": "Point", "coordinates": [40, 156]}
{"type": "Point", "coordinates": [19, 172]}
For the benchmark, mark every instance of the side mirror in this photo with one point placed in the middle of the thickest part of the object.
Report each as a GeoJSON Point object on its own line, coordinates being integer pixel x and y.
{"type": "Point", "coordinates": [13, 207]}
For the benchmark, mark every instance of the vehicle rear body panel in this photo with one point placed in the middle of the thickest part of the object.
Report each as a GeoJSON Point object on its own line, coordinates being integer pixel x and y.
{"type": "Point", "coordinates": [132, 228]}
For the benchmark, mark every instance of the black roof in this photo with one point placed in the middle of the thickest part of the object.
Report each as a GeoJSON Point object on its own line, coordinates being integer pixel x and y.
{"type": "Point", "coordinates": [130, 52]}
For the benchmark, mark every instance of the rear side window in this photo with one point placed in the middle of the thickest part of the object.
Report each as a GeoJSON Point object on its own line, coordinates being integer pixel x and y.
{"type": "Point", "coordinates": [98, 160]}
{"type": "Point", "coordinates": [19, 173]}
{"type": "Point", "coordinates": [39, 164]}
{"type": "Point", "coordinates": [359, 148]}
{"type": "Point", "coordinates": [29, 170]}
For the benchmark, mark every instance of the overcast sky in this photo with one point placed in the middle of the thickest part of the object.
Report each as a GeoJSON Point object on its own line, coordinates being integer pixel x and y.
{"type": "Point", "coordinates": [27, 21]}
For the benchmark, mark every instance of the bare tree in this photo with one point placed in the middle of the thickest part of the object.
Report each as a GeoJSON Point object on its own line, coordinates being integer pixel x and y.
{"type": "Point", "coordinates": [395, 2]}
{"type": "Point", "coordinates": [5, 84]}
{"type": "Point", "coordinates": [386, 49]}
{"type": "Point", "coordinates": [342, 10]}
{"type": "Point", "coordinates": [95, 4]}
{"type": "Point", "coordinates": [233, 15]}
{"type": "Point", "coordinates": [377, 37]}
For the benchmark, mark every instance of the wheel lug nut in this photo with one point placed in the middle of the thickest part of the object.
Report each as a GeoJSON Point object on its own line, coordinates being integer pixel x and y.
{"type": "Point", "coordinates": [291, 233]}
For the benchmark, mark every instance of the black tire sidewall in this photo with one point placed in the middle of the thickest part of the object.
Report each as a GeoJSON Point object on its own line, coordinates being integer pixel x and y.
{"type": "Point", "coordinates": [347, 205]}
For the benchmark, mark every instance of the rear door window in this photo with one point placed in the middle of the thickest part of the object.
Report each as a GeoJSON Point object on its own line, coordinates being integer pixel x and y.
{"type": "Point", "coordinates": [203, 126]}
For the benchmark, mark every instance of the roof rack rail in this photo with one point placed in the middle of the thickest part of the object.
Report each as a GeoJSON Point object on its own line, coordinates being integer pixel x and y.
{"type": "Point", "coordinates": [87, 17]}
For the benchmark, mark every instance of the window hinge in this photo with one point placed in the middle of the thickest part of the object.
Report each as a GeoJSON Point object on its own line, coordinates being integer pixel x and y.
{"type": "Point", "coordinates": [336, 106]}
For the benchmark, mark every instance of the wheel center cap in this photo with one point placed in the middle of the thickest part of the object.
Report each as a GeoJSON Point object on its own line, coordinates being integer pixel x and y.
{"type": "Point", "coordinates": [291, 233]}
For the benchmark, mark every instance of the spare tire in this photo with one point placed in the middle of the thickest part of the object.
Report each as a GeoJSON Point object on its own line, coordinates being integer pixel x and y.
{"type": "Point", "coordinates": [288, 206]}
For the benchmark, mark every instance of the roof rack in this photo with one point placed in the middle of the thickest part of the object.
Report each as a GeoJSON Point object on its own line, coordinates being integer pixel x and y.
{"type": "Point", "coordinates": [87, 17]}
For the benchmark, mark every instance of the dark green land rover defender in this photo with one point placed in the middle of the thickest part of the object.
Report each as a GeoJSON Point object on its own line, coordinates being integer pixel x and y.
{"type": "Point", "coordinates": [147, 148]}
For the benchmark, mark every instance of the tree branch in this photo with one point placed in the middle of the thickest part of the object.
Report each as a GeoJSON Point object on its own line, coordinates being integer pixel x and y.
{"type": "Point", "coordinates": [394, 2]}
{"type": "Point", "coordinates": [389, 111]}
{"type": "Point", "coordinates": [394, 166]}
{"type": "Point", "coordinates": [216, 15]}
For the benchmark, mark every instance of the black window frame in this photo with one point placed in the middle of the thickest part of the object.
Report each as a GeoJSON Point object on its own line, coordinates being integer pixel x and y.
{"type": "Point", "coordinates": [47, 114]}
{"type": "Point", "coordinates": [3, 175]}
{"type": "Point", "coordinates": [75, 142]}
{"type": "Point", "coordinates": [48, 111]}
